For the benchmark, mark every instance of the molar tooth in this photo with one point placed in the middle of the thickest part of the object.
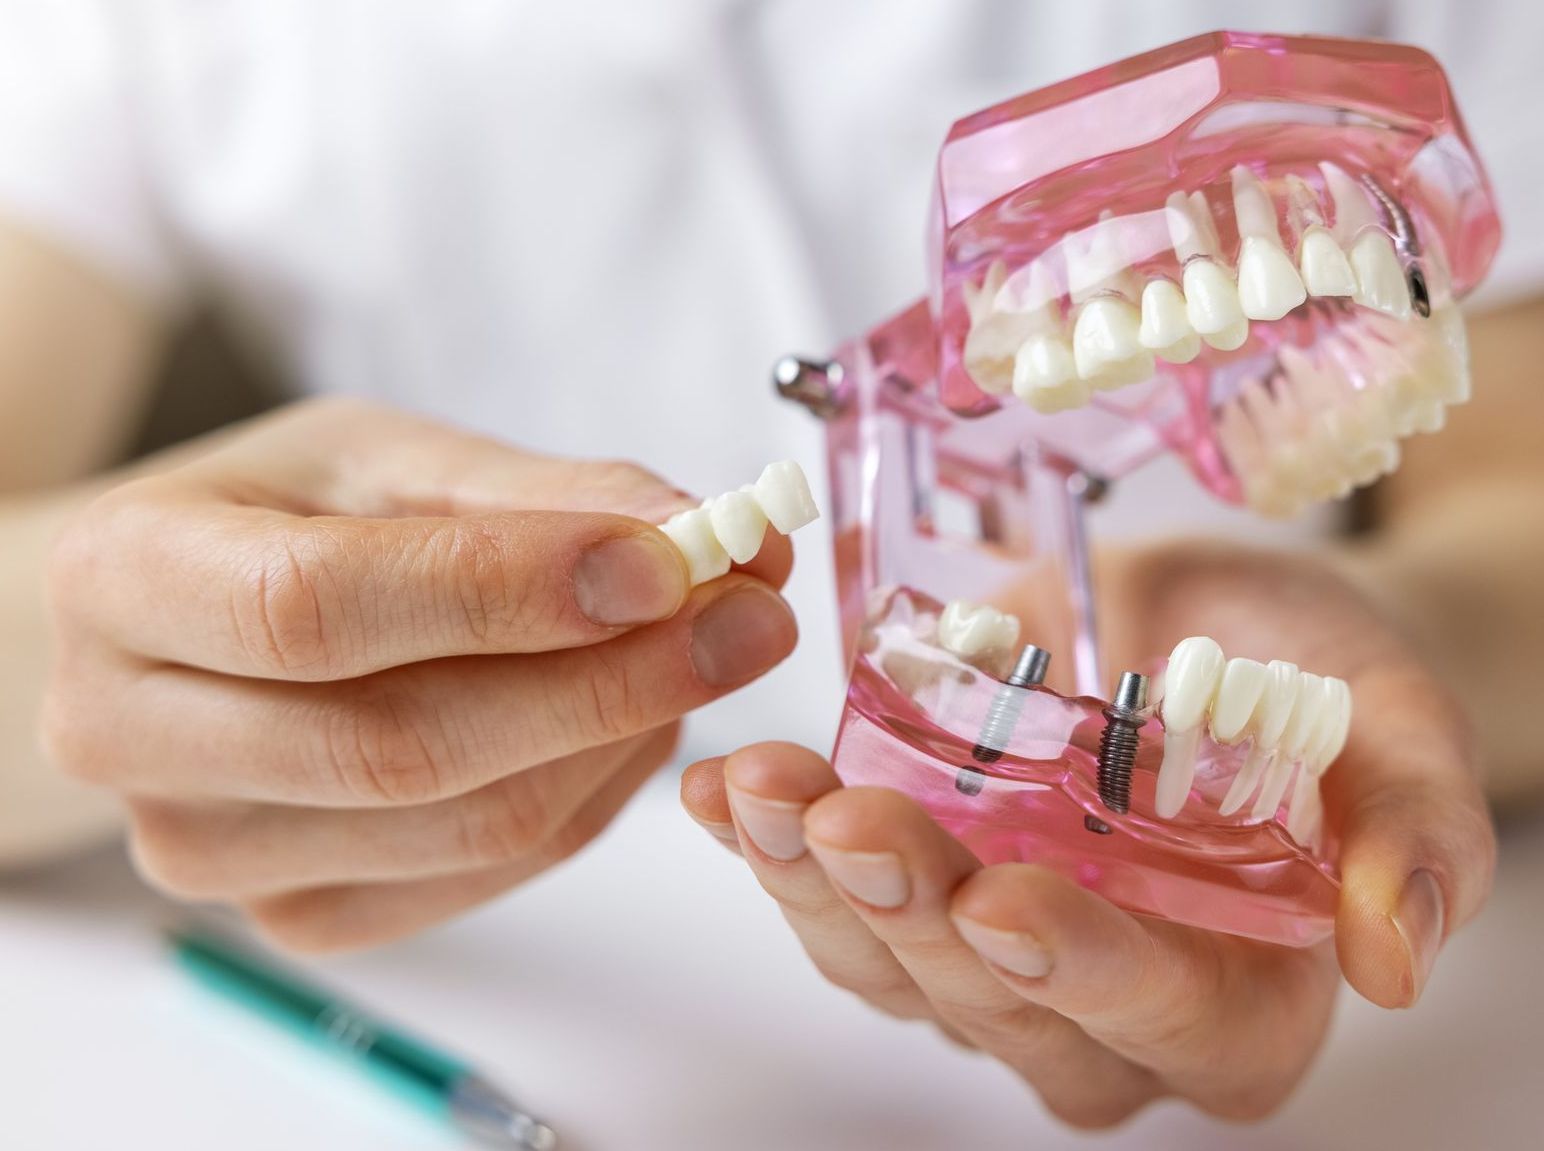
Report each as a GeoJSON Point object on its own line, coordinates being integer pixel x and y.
{"type": "Point", "coordinates": [1189, 685]}
{"type": "Point", "coordinates": [1268, 285]}
{"type": "Point", "coordinates": [1212, 304]}
{"type": "Point", "coordinates": [692, 533]}
{"type": "Point", "coordinates": [1165, 327]}
{"type": "Point", "coordinates": [784, 495]}
{"type": "Point", "coordinates": [1380, 279]}
{"type": "Point", "coordinates": [1243, 681]}
{"type": "Point", "coordinates": [970, 630]}
{"type": "Point", "coordinates": [739, 523]}
{"type": "Point", "coordinates": [1045, 376]}
{"type": "Point", "coordinates": [1326, 271]}
{"type": "Point", "coordinates": [1105, 347]}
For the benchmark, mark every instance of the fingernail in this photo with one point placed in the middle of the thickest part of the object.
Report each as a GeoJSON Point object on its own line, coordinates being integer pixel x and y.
{"type": "Point", "coordinates": [874, 877]}
{"type": "Point", "coordinates": [775, 826]}
{"type": "Point", "coordinates": [741, 635]}
{"type": "Point", "coordinates": [1016, 951]}
{"type": "Point", "coordinates": [1418, 918]}
{"type": "Point", "coordinates": [627, 580]}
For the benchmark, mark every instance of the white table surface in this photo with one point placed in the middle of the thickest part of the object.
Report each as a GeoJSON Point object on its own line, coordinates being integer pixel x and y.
{"type": "Point", "coordinates": [647, 998]}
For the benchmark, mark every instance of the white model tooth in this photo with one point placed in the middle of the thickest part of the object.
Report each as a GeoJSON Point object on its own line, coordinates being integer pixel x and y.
{"type": "Point", "coordinates": [1306, 810]}
{"type": "Point", "coordinates": [1326, 271]}
{"type": "Point", "coordinates": [1335, 727]}
{"type": "Point", "coordinates": [1238, 693]}
{"type": "Point", "coordinates": [1353, 212]}
{"type": "Point", "coordinates": [970, 630]}
{"type": "Point", "coordinates": [1165, 327]}
{"type": "Point", "coordinates": [1277, 776]}
{"type": "Point", "coordinates": [1246, 780]}
{"type": "Point", "coordinates": [1045, 376]}
{"type": "Point", "coordinates": [739, 523]}
{"type": "Point", "coordinates": [784, 495]}
{"type": "Point", "coordinates": [1380, 280]}
{"type": "Point", "coordinates": [1189, 686]}
{"type": "Point", "coordinates": [1191, 231]}
{"type": "Point", "coordinates": [1268, 285]}
{"type": "Point", "coordinates": [1307, 714]}
{"type": "Point", "coordinates": [1105, 347]}
{"type": "Point", "coordinates": [1253, 212]}
{"type": "Point", "coordinates": [1212, 304]}
{"type": "Point", "coordinates": [692, 532]}
{"type": "Point", "coordinates": [1277, 700]}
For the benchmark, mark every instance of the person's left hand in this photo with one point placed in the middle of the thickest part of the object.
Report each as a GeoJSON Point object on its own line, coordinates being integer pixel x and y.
{"type": "Point", "coordinates": [1102, 1011]}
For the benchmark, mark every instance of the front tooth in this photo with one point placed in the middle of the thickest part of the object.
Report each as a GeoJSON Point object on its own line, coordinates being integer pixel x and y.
{"type": "Point", "coordinates": [1212, 305]}
{"type": "Point", "coordinates": [1189, 685]}
{"type": "Point", "coordinates": [692, 533]}
{"type": "Point", "coordinates": [1306, 809]}
{"type": "Point", "coordinates": [1335, 727]}
{"type": "Point", "coordinates": [970, 630]}
{"type": "Point", "coordinates": [1045, 376]}
{"type": "Point", "coordinates": [1326, 271]}
{"type": "Point", "coordinates": [739, 523]}
{"type": "Point", "coordinates": [1380, 280]}
{"type": "Point", "coordinates": [1244, 782]}
{"type": "Point", "coordinates": [1277, 777]}
{"type": "Point", "coordinates": [1268, 285]}
{"type": "Point", "coordinates": [1282, 684]}
{"type": "Point", "coordinates": [1165, 327]}
{"type": "Point", "coordinates": [784, 495]}
{"type": "Point", "coordinates": [1105, 347]}
{"type": "Point", "coordinates": [1307, 715]}
{"type": "Point", "coordinates": [1243, 681]}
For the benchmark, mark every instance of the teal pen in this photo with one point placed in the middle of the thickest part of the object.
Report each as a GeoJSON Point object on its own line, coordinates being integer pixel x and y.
{"type": "Point", "coordinates": [434, 1081]}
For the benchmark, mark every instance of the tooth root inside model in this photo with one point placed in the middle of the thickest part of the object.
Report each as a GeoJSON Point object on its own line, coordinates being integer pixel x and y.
{"type": "Point", "coordinates": [973, 631]}
{"type": "Point", "coordinates": [730, 528]}
{"type": "Point", "coordinates": [1190, 683]}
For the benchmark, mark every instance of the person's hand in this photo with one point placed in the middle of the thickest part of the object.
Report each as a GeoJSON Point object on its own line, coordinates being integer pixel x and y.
{"type": "Point", "coordinates": [355, 672]}
{"type": "Point", "coordinates": [1099, 1010]}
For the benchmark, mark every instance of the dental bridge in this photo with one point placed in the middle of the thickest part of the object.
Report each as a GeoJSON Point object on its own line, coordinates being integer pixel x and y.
{"type": "Point", "coordinates": [1243, 250]}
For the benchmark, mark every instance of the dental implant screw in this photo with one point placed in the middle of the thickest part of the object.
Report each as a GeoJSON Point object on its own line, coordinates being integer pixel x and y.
{"type": "Point", "coordinates": [1002, 716]}
{"type": "Point", "coordinates": [817, 384]}
{"type": "Point", "coordinates": [1118, 747]}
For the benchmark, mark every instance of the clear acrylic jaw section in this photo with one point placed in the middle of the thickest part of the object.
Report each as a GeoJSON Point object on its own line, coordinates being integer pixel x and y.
{"type": "Point", "coordinates": [1014, 773]}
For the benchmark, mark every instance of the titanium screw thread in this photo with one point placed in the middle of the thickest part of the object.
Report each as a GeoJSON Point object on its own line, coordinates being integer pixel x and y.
{"type": "Point", "coordinates": [1118, 747]}
{"type": "Point", "coordinates": [1002, 716]}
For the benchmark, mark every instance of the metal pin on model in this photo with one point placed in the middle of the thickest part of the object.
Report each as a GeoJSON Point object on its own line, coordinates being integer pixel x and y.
{"type": "Point", "coordinates": [1002, 716]}
{"type": "Point", "coordinates": [1118, 747]}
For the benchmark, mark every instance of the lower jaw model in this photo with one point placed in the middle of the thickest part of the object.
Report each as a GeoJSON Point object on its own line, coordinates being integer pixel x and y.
{"type": "Point", "coordinates": [1245, 251]}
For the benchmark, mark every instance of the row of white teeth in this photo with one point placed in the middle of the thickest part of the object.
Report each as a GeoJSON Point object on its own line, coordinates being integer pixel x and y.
{"type": "Point", "coordinates": [1298, 722]}
{"type": "Point", "coordinates": [729, 529]}
{"type": "Point", "coordinates": [1017, 338]}
{"type": "Point", "coordinates": [1331, 418]}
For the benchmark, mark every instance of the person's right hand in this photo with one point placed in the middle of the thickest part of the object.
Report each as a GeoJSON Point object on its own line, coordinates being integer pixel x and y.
{"type": "Point", "coordinates": [355, 672]}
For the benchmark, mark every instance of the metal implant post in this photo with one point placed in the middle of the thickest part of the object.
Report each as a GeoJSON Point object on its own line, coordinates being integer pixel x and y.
{"type": "Point", "coordinates": [817, 384]}
{"type": "Point", "coordinates": [1002, 716]}
{"type": "Point", "coordinates": [1118, 747]}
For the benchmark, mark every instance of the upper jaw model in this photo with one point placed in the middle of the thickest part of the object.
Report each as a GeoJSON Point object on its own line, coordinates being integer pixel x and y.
{"type": "Point", "coordinates": [1243, 250]}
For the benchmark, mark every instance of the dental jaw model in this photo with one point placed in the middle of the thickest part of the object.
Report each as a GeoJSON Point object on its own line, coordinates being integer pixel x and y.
{"type": "Point", "coordinates": [1245, 251]}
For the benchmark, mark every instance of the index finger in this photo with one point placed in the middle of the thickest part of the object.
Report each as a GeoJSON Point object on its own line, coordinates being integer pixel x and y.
{"type": "Point", "coordinates": [264, 593]}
